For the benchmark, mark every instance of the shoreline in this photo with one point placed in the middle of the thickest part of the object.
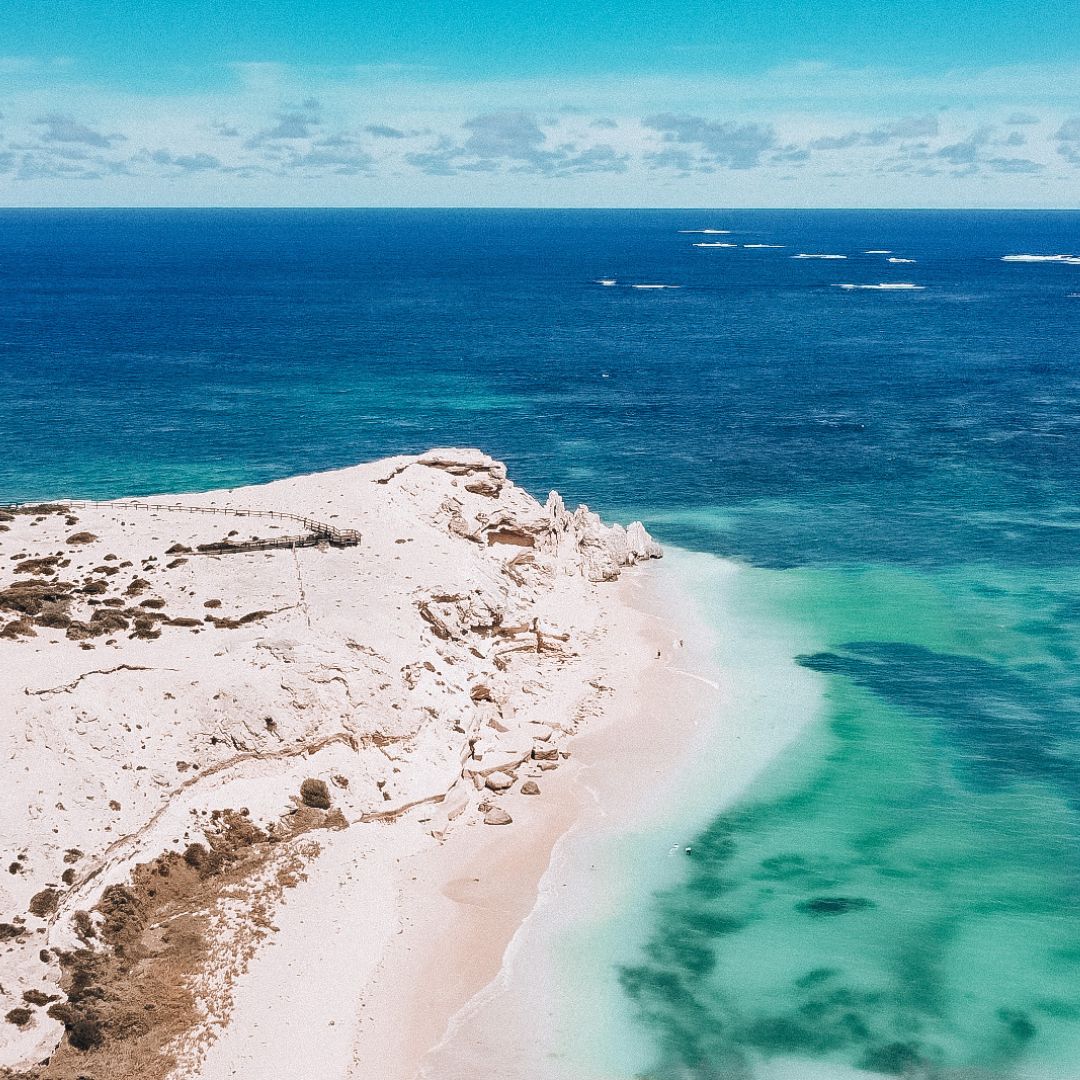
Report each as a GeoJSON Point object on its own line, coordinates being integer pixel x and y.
{"type": "Point", "coordinates": [616, 739]}
{"type": "Point", "coordinates": [628, 757]}
{"type": "Point", "coordinates": [652, 775]}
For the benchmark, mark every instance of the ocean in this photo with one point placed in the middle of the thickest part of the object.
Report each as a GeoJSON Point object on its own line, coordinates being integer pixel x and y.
{"type": "Point", "coordinates": [873, 493]}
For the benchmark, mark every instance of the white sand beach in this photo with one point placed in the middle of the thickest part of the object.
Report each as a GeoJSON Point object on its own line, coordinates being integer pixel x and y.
{"type": "Point", "coordinates": [176, 904]}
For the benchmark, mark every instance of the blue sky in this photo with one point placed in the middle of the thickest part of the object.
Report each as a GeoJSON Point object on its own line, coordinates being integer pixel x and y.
{"type": "Point", "coordinates": [327, 102]}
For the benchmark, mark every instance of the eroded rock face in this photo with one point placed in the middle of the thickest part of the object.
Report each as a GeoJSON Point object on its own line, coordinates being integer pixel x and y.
{"type": "Point", "coordinates": [459, 462]}
{"type": "Point", "coordinates": [604, 549]}
{"type": "Point", "coordinates": [600, 551]}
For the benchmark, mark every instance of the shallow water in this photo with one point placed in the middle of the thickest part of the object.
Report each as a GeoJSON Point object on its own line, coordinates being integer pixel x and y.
{"type": "Point", "coordinates": [895, 471]}
{"type": "Point", "coordinates": [900, 894]}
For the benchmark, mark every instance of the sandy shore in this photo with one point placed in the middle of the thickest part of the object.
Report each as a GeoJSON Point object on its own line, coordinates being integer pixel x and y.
{"type": "Point", "coordinates": [627, 766]}
{"type": "Point", "coordinates": [277, 811]}
{"type": "Point", "coordinates": [679, 742]}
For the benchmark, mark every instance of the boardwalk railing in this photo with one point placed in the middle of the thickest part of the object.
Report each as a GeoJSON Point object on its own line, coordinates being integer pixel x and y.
{"type": "Point", "coordinates": [319, 532]}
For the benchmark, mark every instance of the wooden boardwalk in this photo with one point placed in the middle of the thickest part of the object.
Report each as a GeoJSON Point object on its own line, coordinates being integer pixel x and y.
{"type": "Point", "coordinates": [318, 532]}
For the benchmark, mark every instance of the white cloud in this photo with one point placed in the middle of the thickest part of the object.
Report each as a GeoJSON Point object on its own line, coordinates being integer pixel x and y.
{"type": "Point", "coordinates": [726, 143]}
{"type": "Point", "coordinates": [1070, 130]}
{"type": "Point", "coordinates": [399, 135]}
{"type": "Point", "coordinates": [64, 128]}
{"type": "Point", "coordinates": [292, 124]}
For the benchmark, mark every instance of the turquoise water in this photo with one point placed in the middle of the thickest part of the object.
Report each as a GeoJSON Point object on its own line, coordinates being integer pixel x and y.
{"type": "Point", "coordinates": [899, 895]}
{"type": "Point", "coordinates": [896, 474]}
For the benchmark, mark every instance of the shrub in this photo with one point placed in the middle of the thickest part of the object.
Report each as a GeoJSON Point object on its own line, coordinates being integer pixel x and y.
{"type": "Point", "coordinates": [44, 903]}
{"type": "Point", "coordinates": [316, 794]}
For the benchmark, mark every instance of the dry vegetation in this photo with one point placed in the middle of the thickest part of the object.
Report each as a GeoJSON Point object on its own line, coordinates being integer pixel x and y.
{"type": "Point", "coordinates": [42, 596]}
{"type": "Point", "coordinates": [131, 988]}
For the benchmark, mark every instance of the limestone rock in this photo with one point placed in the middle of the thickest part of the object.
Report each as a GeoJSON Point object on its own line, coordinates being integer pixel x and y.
{"type": "Point", "coordinates": [579, 540]}
{"type": "Point", "coordinates": [497, 816]}
{"type": "Point", "coordinates": [603, 550]}
{"type": "Point", "coordinates": [488, 488]}
{"type": "Point", "coordinates": [461, 462]}
{"type": "Point", "coordinates": [491, 757]}
{"type": "Point", "coordinates": [530, 787]}
{"type": "Point", "coordinates": [499, 781]}
{"type": "Point", "coordinates": [640, 544]}
{"type": "Point", "coordinates": [457, 799]}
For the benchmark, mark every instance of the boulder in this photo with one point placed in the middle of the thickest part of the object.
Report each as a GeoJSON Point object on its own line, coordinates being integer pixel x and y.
{"type": "Point", "coordinates": [488, 488]}
{"type": "Point", "coordinates": [497, 816]}
{"type": "Point", "coordinates": [462, 462]}
{"type": "Point", "coordinates": [499, 781]}
{"type": "Point", "coordinates": [640, 544]}
{"type": "Point", "coordinates": [490, 757]}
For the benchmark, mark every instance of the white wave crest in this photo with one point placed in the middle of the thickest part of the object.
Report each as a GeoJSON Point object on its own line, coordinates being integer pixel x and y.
{"type": "Point", "coordinates": [707, 232]}
{"type": "Point", "coordinates": [1072, 259]}
{"type": "Point", "coordinates": [884, 286]}
{"type": "Point", "coordinates": [878, 251]}
{"type": "Point", "coordinates": [900, 260]}
{"type": "Point", "coordinates": [804, 256]}
{"type": "Point", "coordinates": [714, 243]}
{"type": "Point", "coordinates": [605, 281]}
{"type": "Point", "coordinates": [764, 245]}
{"type": "Point", "coordinates": [655, 286]}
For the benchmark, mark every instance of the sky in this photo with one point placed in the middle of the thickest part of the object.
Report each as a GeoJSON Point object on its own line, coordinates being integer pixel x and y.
{"type": "Point", "coordinates": [897, 103]}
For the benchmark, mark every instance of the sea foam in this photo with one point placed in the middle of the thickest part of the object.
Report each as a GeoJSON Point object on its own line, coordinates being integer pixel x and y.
{"type": "Point", "coordinates": [1073, 259]}
{"type": "Point", "coordinates": [885, 286]}
{"type": "Point", "coordinates": [805, 256]}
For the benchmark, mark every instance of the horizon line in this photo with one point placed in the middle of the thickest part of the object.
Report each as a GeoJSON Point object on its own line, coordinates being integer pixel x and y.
{"type": "Point", "coordinates": [558, 209]}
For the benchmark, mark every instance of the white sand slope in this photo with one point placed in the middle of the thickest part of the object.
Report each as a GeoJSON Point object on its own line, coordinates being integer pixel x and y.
{"type": "Point", "coordinates": [424, 676]}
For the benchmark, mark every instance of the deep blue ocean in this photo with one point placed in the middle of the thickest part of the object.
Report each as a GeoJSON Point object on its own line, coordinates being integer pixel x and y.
{"type": "Point", "coordinates": [897, 471]}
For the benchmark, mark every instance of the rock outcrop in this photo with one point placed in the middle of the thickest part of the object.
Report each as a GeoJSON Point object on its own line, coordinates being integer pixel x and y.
{"type": "Point", "coordinates": [578, 538]}
{"type": "Point", "coordinates": [603, 549]}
